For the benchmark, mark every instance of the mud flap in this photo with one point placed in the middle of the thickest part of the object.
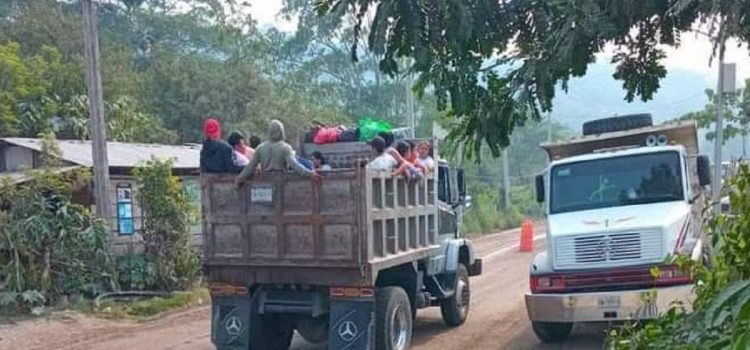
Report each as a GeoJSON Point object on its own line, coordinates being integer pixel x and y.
{"type": "Point", "coordinates": [230, 322]}
{"type": "Point", "coordinates": [352, 323]}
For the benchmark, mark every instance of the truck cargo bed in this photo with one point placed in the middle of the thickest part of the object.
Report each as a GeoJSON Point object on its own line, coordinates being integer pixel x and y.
{"type": "Point", "coordinates": [281, 228]}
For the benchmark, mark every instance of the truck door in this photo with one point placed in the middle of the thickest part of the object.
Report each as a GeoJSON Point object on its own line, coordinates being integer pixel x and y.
{"type": "Point", "coordinates": [447, 197]}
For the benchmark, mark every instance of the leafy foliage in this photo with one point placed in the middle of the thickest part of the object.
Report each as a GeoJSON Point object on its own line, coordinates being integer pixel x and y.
{"type": "Point", "coordinates": [166, 234]}
{"type": "Point", "coordinates": [736, 113]}
{"type": "Point", "coordinates": [495, 64]}
{"type": "Point", "coordinates": [135, 272]}
{"type": "Point", "coordinates": [48, 245]}
{"type": "Point", "coordinates": [721, 310]}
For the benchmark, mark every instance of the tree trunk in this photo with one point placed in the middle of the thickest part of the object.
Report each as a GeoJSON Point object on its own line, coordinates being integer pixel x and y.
{"type": "Point", "coordinates": [46, 268]}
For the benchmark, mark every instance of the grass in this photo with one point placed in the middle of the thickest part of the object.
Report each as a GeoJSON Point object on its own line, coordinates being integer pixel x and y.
{"type": "Point", "coordinates": [146, 308]}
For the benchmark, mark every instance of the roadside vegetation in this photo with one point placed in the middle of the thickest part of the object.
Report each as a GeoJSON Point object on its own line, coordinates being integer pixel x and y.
{"type": "Point", "coordinates": [54, 253]}
{"type": "Point", "coordinates": [150, 307]}
{"type": "Point", "coordinates": [720, 316]}
{"type": "Point", "coordinates": [51, 250]}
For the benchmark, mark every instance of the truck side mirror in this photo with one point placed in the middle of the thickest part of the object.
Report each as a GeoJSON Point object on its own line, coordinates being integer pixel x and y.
{"type": "Point", "coordinates": [704, 170]}
{"type": "Point", "coordinates": [539, 182]}
{"type": "Point", "coordinates": [461, 183]}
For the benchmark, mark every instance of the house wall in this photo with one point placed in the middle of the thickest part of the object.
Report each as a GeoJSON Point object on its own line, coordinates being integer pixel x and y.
{"type": "Point", "coordinates": [126, 243]}
{"type": "Point", "coordinates": [17, 158]}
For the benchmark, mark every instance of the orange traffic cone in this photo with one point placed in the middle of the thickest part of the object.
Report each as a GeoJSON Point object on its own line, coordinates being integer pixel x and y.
{"type": "Point", "coordinates": [527, 236]}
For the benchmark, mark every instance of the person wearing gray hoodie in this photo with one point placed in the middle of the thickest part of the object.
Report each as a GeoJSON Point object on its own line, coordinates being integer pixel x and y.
{"type": "Point", "coordinates": [274, 155]}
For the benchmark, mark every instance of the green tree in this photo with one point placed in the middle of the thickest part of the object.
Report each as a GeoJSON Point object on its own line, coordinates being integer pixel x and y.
{"type": "Point", "coordinates": [495, 64]}
{"type": "Point", "coordinates": [166, 234]}
{"type": "Point", "coordinates": [24, 82]}
{"type": "Point", "coordinates": [736, 113]}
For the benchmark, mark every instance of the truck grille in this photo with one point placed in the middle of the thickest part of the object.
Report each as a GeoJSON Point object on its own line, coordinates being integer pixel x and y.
{"type": "Point", "coordinates": [611, 249]}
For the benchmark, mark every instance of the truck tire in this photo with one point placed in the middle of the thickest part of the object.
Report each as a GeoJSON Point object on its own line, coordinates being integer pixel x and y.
{"type": "Point", "coordinates": [552, 332]}
{"type": "Point", "coordinates": [456, 308]}
{"type": "Point", "coordinates": [313, 330]}
{"type": "Point", "coordinates": [625, 122]}
{"type": "Point", "coordinates": [393, 322]}
{"type": "Point", "coordinates": [271, 332]}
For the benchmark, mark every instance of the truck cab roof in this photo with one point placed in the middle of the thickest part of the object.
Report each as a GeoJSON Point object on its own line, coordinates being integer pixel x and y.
{"type": "Point", "coordinates": [682, 133]}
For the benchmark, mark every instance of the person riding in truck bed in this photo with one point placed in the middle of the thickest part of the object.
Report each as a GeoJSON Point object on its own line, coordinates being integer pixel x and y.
{"type": "Point", "coordinates": [274, 155]}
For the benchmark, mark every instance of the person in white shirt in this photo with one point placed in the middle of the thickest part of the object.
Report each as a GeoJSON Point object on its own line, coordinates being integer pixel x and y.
{"type": "Point", "coordinates": [319, 162]}
{"type": "Point", "coordinates": [240, 154]}
{"type": "Point", "coordinates": [384, 160]}
{"type": "Point", "coordinates": [427, 162]}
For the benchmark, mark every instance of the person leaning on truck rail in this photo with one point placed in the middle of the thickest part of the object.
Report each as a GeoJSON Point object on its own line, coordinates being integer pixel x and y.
{"type": "Point", "coordinates": [274, 155]}
{"type": "Point", "coordinates": [216, 154]}
{"type": "Point", "coordinates": [384, 160]}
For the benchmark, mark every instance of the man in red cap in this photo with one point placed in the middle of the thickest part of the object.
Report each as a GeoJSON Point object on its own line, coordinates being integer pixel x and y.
{"type": "Point", "coordinates": [216, 154]}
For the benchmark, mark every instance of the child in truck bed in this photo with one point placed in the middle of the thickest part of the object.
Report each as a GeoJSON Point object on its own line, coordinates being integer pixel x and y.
{"type": "Point", "coordinates": [407, 167]}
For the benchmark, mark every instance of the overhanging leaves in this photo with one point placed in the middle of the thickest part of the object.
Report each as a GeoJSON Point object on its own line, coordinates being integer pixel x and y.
{"type": "Point", "coordinates": [544, 45]}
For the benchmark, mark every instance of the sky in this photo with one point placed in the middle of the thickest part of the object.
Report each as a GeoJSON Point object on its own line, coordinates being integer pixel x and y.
{"type": "Point", "coordinates": [693, 55]}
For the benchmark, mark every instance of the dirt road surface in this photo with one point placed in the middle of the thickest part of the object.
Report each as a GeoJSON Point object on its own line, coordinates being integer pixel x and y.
{"type": "Point", "coordinates": [497, 319]}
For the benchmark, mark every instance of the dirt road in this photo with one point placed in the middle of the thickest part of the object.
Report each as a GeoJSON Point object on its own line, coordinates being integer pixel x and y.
{"type": "Point", "coordinates": [497, 319]}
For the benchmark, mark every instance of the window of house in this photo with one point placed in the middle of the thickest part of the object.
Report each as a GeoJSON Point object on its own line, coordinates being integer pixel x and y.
{"type": "Point", "coordinates": [125, 225]}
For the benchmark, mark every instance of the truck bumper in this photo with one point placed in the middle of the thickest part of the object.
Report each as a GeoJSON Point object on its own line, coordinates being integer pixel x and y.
{"type": "Point", "coordinates": [605, 306]}
{"type": "Point", "coordinates": [475, 269]}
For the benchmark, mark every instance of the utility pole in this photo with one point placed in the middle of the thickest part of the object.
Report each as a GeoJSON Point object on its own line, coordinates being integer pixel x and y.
{"type": "Point", "coordinates": [410, 115]}
{"type": "Point", "coordinates": [96, 110]}
{"type": "Point", "coordinates": [506, 179]}
{"type": "Point", "coordinates": [724, 85]}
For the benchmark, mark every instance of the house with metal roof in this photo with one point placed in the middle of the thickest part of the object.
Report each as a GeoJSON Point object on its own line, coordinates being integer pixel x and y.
{"type": "Point", "coordinates": [20, 155]}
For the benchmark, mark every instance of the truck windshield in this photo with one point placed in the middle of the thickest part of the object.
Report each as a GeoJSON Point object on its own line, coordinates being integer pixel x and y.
{"type": "Point", "coordinates": [627, 180]}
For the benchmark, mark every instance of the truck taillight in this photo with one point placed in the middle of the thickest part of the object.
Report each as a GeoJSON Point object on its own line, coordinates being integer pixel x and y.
{"type": "Point", "coordinates": [671, 275]}
{"type": "Point", "coordinates": [226, 289]}
{"type": "Point", "coordinates": [552, 283]}
{"type": "Point", "coordinates": [352, 292]}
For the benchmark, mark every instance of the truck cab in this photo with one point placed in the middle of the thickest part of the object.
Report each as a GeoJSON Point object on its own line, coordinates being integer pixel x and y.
{"type": "Point", "coordinates": [617, 205]}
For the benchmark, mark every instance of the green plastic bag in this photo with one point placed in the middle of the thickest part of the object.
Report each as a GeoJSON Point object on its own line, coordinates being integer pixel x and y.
{"type": "Point", "coordinates": [370, 127]}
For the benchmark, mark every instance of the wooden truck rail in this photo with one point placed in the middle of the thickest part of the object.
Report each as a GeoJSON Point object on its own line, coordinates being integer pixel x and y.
{"type": "Point", "coordinates": [281, 228]}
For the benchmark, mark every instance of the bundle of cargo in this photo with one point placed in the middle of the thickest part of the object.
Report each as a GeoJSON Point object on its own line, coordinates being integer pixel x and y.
{"type": "Point", "coordinates": [344, 146]}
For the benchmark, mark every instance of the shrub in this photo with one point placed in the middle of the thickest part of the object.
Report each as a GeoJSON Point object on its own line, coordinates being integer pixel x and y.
{"type": "Point", "coordinates": [721, 316]}
{"type": "Point", "coordinates": [166, 233]}
{"type": "Point", "coordinates": [48, 245]}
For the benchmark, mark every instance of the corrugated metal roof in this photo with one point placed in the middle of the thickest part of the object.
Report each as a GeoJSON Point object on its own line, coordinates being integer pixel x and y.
{"type": "Point", "coordinates": [18, 177]}
{"type": "Point", "coordinates": [120, 154]}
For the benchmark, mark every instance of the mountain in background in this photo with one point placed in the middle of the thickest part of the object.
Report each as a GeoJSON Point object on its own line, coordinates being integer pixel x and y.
{"type": "Point", "coordinates": [599, 95]}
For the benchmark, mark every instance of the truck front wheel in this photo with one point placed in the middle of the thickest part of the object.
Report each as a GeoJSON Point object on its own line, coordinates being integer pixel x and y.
{"type": "Point", "coordinates": [456, 308]}
{"type": "Point", "coordinates": [552, 332]}
{"type": "Point", "coordinates": [393, 321]}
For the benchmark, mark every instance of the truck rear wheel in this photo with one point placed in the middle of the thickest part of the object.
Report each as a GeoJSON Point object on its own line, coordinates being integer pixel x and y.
{"type": "Point", "coordinates": [552, 332]}
{"type": "Point", "coordinates": [313, 330]}
{"type": "Point", "coordinates": [393, 321]}
{"type": "Point", "coordinates": [271, 332]}
{"type": "Point", "coordinates": [456, 308]}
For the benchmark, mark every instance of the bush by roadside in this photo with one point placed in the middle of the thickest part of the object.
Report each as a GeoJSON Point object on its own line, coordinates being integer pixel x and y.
{"type": "Point", "coordinates": [50, 248]}
{"type": "Point", "coordinates": [721, 310]}
{"type": "Point", "coordinates": [486, 214]}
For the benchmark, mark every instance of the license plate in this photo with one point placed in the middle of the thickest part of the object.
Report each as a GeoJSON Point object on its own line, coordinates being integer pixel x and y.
{"type": "Point", "coordinates": [609, 302]}
{"type": "Point", "coordinates": [261, 195]}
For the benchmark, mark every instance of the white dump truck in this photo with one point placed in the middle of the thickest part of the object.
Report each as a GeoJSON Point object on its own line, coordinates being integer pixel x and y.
{"type": "Point", "coordinates": [619, 201]}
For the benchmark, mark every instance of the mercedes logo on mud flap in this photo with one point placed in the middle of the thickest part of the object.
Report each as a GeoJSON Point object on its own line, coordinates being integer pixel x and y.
{"type": "Point", "coordinates": [233, 326]}
{"type": "Point", "coordinates": [347, 331]}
